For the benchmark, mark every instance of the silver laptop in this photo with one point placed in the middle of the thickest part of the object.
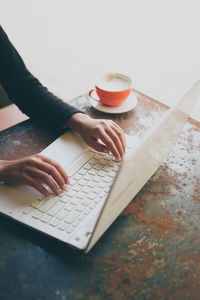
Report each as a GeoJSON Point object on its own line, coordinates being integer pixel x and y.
{"type": "Point", "coordinates": [100, 188]}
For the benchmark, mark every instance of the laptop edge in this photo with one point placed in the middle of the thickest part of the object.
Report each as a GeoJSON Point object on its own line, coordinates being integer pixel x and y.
{"type": "Point", "coordinates": [142, 161]}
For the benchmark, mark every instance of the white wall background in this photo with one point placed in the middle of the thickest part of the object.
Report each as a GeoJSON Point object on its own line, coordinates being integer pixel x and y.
{"type": "Point", "coordinates": [69, 43]}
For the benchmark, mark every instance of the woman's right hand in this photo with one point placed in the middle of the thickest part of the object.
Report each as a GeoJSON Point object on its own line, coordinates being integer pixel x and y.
{"type": "Point", "coordinates": [36, 171]}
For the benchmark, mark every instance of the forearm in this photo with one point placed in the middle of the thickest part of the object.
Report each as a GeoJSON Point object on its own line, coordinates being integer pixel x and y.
{"type": "Point", "coordinates": [27, 92]}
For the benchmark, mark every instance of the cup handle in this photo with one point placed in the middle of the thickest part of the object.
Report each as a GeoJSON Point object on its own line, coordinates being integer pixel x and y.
{"type": "Point", "coordinates": [90, 94]}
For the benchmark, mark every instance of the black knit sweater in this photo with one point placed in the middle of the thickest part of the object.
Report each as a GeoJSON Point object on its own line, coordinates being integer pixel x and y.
{"type": "Point", "coordinates": [27, 92]}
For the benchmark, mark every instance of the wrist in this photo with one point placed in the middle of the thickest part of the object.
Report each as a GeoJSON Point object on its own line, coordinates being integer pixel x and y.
{"type": "Point", "coordinates": [3, 164]}
{"type": "Point", "coordinates": [76, 121]}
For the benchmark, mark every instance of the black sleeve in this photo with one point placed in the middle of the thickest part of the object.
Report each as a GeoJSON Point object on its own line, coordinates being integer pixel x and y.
{"type": "Point", "coordinates": [27, 92]}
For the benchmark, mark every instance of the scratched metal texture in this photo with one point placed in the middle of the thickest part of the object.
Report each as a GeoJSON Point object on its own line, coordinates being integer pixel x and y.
{"type": "Point", "coordinates": [152, 251]}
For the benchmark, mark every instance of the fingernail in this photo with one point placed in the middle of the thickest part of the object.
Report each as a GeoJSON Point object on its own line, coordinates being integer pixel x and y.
{"type": "Point", "coordinates": [64, 187]}
{"type": "Point", "coordinates": [106, 151]}
{"type": "Point", "coordinates": [58, 191]}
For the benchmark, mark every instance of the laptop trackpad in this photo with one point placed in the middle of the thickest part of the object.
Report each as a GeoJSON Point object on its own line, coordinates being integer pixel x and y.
{"type": "Point", "coordinates": [61, 155]}
{"type": "Point", "coordinates": [66, 149]}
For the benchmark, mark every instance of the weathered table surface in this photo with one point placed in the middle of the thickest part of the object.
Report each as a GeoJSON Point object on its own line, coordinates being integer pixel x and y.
{"type": "Point", "coordinates": [152, 251]}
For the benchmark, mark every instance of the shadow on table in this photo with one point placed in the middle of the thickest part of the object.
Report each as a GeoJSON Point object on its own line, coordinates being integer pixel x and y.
{"type": "Point", "coordinates": [17, 234]}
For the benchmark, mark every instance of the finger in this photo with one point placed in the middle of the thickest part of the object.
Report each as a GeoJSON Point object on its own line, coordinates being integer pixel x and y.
{"type": "Point", "coordinates": [121, 135]}
{"type": "Point", "coordinates": [98, 147]}
{"type": "Point", "coordinates": [43, 177]}
{"type": "Point", "coordinates": [115, 138]}
{"type": "Point", "coordinates": [51, 170]}
{"type": "Point", "coordinates": [57, 166]}
{"type": "Point", "coordinates": [36, 184]}
{"type": "Point", "coordinates": [110, 144]}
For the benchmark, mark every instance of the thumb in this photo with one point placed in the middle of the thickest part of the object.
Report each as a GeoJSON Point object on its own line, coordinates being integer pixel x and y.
{"type": "Point", "coordinates": [99, 147]}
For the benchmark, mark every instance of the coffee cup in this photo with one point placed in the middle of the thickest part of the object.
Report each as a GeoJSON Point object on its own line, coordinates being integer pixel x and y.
{"type": "Point", "coordinates": [112, 89]}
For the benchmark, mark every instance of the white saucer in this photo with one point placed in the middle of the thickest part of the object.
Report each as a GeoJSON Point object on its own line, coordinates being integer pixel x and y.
{"type": "Point", "coordinates": [128, 105]}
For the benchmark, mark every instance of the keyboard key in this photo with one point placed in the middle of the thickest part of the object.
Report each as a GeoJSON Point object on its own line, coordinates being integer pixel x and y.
{"type": "Point", "coordinates": [75, 223]}
{"type": "Point", "coordinates": [98, 156]}
{"type": "Point", "coordinates": [37, 203]}
{"type": "Point", "coordinates": [63, 226]}
{"type": "Point", "coordinates": [77, 188]}
{"type": "Point", "coordinates": [72, 181]}
{"type": "Point", "coordinates": [103, 162]}
{"type": "Point", "coordinates": [82, 217]}
{"type": "Point", "coordinates": [75, 201]}
{"type": "Point", "coordinates": [54, 222]}
{"type": "Point", "coordinates": [93, 161]}
{"type": "Point", "coordinates": [108, 157]}
{"type": "Point", "coordinates": [92, 205]}
{"type": "Point", "coordinates": [101, 173]}
{"type": "Point", "coordinates": [46, 218]}
{"type": "Point", "coordinates": [98, 166]}
{"type": "Point", "coordinates": [37, 214]}
{"type": "Point", "coordinates": [106, 168]}
{"type": "Point", "coordinates": [82, 182]}
{"type": "Point", "coordinates": [71, 217]}
{"type": "Point", "coordinates": [62, 193]}
{"type": "Point", "coordinates": [80, 208]}
{"type": "Point", "coordinates": [103, 194]}
{"type": "Point", "coordinates": [27, 209]}
{"type": "Point", "coordinates": [77, 176]}
{"type": "Point", "coordinates": [87, 166]}
{"type": "Point", "coordinates": [92, 172]}
{"type": "Point", "coordinates": [107, 188]}
{"type": "Point", "coordinates": [102, 184]}
{"type": "Point", "coordinates": [69, 207]}
{"type": "Point", "coordinates": [86, 211]}
{"type": "Point", "coordinates": [112, 174]}
{"type": "Point", "coordinates": [70, 193]}
{"type": "Point", "coordinates": [85, 201]}
{"type": "Point", "coordinates": [81, 195]}
{"type": "Point", "coordinates": [65, 199]}
{"type": "Point", "coordinates": [115, 168]}
{"type": "Point", "coordinates": [108, 179]}
{"type": "Point", "coordinates": [41, 197]}
{"type": "Point", "coordinates": [82, 171]}
{"type": "Point", "coordinates": [111, 163]}
{"type": "Point", "coordinates": [97, 199]}
{"type": "Point", "coordinates": [97, 178]}
{"type": "Point", "coordinates": [87, 176]}
{"type": "Point", "coordinates": [48, 202]}
{"type": "Point", "coordinates": [86, 189]}
{"type": "Point", "coordinates": [62, 214]}
{"type": "Point", "coordinates": [55, 208]}
{"type": "Point", "coordinates": [70, 229]}
{"type": "Point", "coordinates": [69, 188]}
{"type": "Point", "coordinates": [91, 184]}
{"type": "Point", "coordinates": [97, 190]}
{"type": "Point", "coordinates": [91, 195]}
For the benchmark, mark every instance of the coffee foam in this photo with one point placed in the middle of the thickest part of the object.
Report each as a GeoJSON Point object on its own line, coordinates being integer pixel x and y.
{"type": "Point", "coordinates": [113, 83]}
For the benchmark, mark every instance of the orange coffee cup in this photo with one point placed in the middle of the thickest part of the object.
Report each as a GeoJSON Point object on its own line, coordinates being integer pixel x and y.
{"type": "Point", "coordinates": [112, 89]}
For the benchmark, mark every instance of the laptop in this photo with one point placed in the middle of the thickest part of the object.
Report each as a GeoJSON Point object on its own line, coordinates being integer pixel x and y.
{"type": "Point", "coordinates": [100, 188]}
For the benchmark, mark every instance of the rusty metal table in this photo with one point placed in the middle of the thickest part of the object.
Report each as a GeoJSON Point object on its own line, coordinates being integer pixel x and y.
{"type": "Point", "coordinates": [152, 251]}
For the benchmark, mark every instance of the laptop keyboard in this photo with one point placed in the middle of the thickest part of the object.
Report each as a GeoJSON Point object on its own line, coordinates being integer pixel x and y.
{"type": "Point", "coordinates": [89, 185]}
